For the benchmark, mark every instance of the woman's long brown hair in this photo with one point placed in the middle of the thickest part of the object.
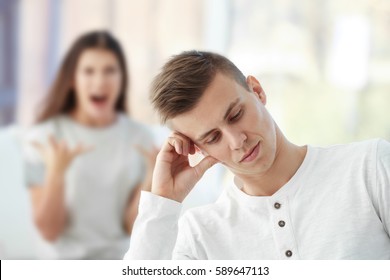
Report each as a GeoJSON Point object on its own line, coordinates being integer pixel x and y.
{"type": "Point", "coordinates": [61, 97]}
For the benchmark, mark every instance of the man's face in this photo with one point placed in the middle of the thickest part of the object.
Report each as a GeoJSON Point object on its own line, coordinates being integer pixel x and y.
{"type": "Point", "coordinates": [232, 125]}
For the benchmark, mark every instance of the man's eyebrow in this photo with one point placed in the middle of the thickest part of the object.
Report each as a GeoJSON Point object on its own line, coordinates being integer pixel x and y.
{"type": "Point", "coordinates": [229, 109]}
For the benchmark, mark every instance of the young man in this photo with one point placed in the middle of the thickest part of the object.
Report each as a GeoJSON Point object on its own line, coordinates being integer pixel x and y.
{"type": "Point", "coordinates": [287, 201]}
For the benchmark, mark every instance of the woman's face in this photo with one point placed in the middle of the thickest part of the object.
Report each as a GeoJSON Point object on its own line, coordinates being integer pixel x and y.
{"type": "Point", "coordinates": [97, 83]}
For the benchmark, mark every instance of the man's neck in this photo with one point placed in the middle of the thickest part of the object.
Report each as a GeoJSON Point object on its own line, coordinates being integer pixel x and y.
{"type": "Point", "coordinates": [288, 159]}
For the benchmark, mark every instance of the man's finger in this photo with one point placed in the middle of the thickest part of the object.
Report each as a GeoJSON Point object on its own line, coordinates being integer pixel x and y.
{"type": "Point", "coordinates": [179, 146]}
{"type": "Point", "coordinates": [186, 143]}
{"type": "Point", "coordinates": [176, 143]}
{"type": "Point", "coordinates": [203, 165]}
{"type": "Point", "coordinates": [169, 145]}
{"type": "Point", "coordinates": [192, 149]}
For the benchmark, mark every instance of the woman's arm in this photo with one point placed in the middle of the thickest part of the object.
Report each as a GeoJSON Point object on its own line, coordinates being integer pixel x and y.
{"type": "Point", "coordinates": [131, 210]}
{"type": "Point", "coordinates": [48, 205]}
{"type": "Point", "coordinates": [48, 200]}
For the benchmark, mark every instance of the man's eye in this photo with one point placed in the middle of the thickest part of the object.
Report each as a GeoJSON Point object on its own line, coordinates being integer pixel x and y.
{"type": "Point", "coordinates": [213, 139]}
{"type": "Point", "coordinates": [236, 116]}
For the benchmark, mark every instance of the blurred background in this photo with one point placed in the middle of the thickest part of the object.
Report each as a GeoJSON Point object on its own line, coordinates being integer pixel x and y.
{"type": "Point", "coordinates": [324, 66]}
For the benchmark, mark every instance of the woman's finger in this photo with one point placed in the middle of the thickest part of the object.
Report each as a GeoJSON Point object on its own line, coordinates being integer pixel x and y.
{"type": "Point", "coordinates": [38, 146]}
{"type": "Point", "coordinates": [150, 154]}
{"type": "Point", "coordinates": [52, 141]}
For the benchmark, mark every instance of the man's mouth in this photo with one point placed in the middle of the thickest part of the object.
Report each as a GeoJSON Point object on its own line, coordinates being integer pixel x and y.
{"type": "Point", "coordinates": [251, 154]}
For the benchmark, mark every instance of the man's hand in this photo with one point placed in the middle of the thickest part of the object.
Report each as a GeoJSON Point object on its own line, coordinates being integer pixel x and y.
{"type": "Point", "coordinates": [173, 176]}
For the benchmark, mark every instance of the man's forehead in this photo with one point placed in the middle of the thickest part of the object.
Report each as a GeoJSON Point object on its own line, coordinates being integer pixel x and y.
{"type": "Point", "coordinates": [197, 122]}
{"type": "Point", "coordinates": [185, 125]}
{"type": "Point", "coordinates": [220, 96]}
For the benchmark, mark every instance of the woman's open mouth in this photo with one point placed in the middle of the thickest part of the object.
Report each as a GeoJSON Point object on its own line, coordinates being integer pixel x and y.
{"type": "Point", "coordinates": [99, 100]}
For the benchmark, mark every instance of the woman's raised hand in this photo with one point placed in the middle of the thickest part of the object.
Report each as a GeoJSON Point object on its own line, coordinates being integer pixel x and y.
{"type": "Point", "coordinates": [57, 155]}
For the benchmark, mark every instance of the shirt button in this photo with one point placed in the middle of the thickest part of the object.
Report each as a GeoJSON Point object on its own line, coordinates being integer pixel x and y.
{"type": "Point", "coordinates": [277, 205]}
{"type": "Point", "coordinates": [288, 253]}
{"type": "Point", "coordinates": [281, 223]}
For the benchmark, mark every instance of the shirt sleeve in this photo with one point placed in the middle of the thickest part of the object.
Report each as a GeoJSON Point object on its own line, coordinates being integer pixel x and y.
{"type": "Point", "coordinates": [155, 230]}
{"type": "Point", "coordinates": [383, 183]}
{"type": "Point", "coordinates": [185, 248]}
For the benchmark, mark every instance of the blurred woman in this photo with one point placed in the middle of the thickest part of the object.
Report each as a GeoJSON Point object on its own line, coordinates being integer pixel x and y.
{"type": "Point", "coordinates": [84, 162]}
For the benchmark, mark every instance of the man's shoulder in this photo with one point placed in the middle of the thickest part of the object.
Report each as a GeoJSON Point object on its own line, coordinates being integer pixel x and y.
{"type": "Point", "coordinates": [349, 154]}
{"type": "Point", "coordinates": [358, 147]}
{"type": "Point", "coordinates": [383, 148]}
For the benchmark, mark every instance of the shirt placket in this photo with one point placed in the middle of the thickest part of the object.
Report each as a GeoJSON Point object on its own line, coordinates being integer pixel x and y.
{"type": "Point", "coordinates": [282, 228]}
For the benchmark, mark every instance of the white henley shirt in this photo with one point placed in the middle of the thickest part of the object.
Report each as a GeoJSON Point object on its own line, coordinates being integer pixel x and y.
{"type": "Point", "coordinates": [336, 206]}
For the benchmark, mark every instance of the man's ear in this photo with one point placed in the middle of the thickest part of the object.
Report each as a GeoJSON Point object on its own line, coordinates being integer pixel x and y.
{"type": "Point", "coordinates": [255, 87]}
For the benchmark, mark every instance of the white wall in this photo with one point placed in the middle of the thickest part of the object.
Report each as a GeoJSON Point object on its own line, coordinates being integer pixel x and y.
{"type": "Point", "coordinates": [16, 228]}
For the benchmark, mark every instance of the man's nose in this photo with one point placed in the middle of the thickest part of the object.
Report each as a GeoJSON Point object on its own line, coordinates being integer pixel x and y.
{"type": "Point", "coordinates": [236, 139]}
